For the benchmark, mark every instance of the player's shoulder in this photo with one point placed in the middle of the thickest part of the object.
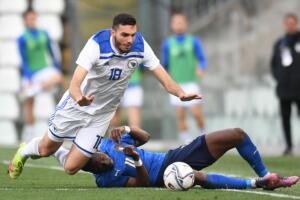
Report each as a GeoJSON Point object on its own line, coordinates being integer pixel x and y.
{"type": "Point", "coordinates": [102, 38]}
{"type": "Point", "coordinates": [194, 38]}
{"type": "Point", "coordinates": [21, 38]}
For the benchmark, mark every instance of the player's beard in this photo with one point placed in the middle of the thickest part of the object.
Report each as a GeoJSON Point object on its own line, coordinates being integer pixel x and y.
{"type": "Point", "coordinates": [118, 45]}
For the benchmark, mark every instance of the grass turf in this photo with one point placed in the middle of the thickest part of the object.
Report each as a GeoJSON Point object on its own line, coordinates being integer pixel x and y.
{"type": "Point", "coordinates": [39, 183]}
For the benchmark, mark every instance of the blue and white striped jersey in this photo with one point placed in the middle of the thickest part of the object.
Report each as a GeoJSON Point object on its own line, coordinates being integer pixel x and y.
{"type": "Point", "coordinates": [109, 70]}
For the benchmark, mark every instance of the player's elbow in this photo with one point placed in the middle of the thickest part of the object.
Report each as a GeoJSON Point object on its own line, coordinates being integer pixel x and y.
{"type": "Point", "coordinates": [147, 137]}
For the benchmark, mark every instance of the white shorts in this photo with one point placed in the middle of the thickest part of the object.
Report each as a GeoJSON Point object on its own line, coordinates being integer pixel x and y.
{"type": "Point", "coordinates": [188, 88]}
{"type": "Point", "coordinates": [41, 76]}
{"type": "Point", "coordinates": [85, 130]}
{"type": "Point", "coordinates": [133, 97]}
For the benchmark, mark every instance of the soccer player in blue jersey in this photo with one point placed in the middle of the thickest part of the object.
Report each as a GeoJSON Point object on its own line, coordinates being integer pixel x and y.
{"type": "Point", "coordinates": [104, 68]}
{"type": "Point", "coordinates": [123, 164]}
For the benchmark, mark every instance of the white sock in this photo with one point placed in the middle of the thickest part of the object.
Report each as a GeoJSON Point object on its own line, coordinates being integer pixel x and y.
{"type": "Point", "coordinates": [32, 148]}
{"type": "Point", "coordinates": [61, 155]}
{"type": "Point", "coordinates": [253, 183]}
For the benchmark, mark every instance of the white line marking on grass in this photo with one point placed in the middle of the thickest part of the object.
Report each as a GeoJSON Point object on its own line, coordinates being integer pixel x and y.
{"type": "Point", "coordinates": [55, 189]}
{"type": "Point", "coordinates": [278, 195]}
{"type": "Point", "coordinates": [52, 167]}
{"type": "Point", "coordinates": [6, 162]}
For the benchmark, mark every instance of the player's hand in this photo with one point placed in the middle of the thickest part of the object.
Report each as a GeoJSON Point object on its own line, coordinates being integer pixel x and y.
{"type": "Point", "coordinates": [116, 134]}
{"type": "Point", "coordinates": [200, 73]}
{"type": "Point", "coordinates": [189, 97]}
{"type": "Point", "coordinates": [85, 101]}
{"type": "Point", "coordinates": [129, 151]}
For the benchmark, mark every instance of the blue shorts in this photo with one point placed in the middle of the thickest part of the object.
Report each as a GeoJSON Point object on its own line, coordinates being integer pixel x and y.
{"type": "Point", "coordinates": [195, 154]}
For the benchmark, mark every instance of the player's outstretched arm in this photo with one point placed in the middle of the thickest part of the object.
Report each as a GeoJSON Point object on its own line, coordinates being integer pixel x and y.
{"type": "Point", "coordinates": [142, 177]}
{"type": "Point", "coordinates": [78, 77]}
{"type": "Point", "coordinates": [171, 86]}
{"type": "Point", "coordinates": [141, 136]}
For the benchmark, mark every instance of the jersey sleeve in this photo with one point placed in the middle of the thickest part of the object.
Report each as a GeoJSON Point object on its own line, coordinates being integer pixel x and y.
{"type": "Point", "coordinates": [200, 54]}
{"type": "Point", "coordinates": [128, 139]}
{"type": "Point", "coordinates": [110, 180]}
{"type": "Point", "coordinates": [150, 60]}
{"type": "Point", "coordinates": [52, 52]}
{"type": "Point", "coordinates": [165, 54]}
{"type": "Point", "coordinates": [89, 54]}
{"type": "Point", "coordinates": [26, 73]}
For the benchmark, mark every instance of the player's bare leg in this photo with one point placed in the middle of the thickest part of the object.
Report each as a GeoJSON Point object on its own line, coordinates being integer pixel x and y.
{"type": "Point", "coordinates": [52, 81]}
{"type": "Point", "coordinates": [75, 161]}
{"type": "Point", "coordinates": [47, 146]}
{"type": "Point", "coordinates": [116, 120]}
{"type": "Point", "coordinates": [28, 106]}
{"type": "Point", "coordinates": [134, 116]}
{"type": "Point", "coordinates": [197, 113]}
{"type": "Point", "coordinates": [98, 163]}
{"type": "Point", "coordinates": [29, 119]}
{"type": "Point", "coordinates": [182, 126]}
{"type": "Point", "coordinates": [219, 142]}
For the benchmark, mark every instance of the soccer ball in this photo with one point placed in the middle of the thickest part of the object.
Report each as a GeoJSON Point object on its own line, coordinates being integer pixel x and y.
{"type": "Point", "coordinates": [179, 176]}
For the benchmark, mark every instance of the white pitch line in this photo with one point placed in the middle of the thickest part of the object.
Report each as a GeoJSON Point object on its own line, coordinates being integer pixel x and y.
{"type": "Point", "coordinates": [278, 195]}
{"type": "Point", "coordinates": [6, 162]}
{"type": "Point", "coordinates": [52, 167]}
{"type": "Point", "coordinates": [56, 189]}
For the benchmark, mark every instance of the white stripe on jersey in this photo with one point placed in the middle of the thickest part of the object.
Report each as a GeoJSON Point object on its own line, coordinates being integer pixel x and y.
{"type": "Point", "coordinates": [126, 54]}
{"type": "Point", "coordinates": [129, 162]}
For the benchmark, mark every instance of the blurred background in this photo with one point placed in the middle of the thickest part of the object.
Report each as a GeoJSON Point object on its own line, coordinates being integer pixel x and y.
{"type": "Point", "coordinates": [237, 37]}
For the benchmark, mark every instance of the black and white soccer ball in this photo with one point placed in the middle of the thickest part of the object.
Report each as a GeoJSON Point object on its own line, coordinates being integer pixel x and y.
{"type": "Point", "coordinates": [179, 176]}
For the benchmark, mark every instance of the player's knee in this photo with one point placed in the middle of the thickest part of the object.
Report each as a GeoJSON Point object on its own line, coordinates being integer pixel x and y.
{"type": "Point", "coordinates": [238, 134]}
{"type": "Point", "coordinates": [71, 170]}
{"type": "Point", "coordinates": [59, 78]}
{"type": "Point", "coordinates": [197, 115]}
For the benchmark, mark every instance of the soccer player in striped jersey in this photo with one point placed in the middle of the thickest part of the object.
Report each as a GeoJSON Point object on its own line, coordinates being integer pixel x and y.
{"type": "Point", "coordinates": [104, 68]}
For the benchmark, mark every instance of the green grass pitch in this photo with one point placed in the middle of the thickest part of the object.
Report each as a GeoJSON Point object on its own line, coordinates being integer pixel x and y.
{"type": "Point", "coordinates": [39, 182]}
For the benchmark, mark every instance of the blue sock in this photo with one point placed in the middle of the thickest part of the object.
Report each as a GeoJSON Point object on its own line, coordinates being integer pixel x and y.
{"type": "Point", "coordinates": [217, 181]}
{"type": "Point", "coordinates": [250, 153]}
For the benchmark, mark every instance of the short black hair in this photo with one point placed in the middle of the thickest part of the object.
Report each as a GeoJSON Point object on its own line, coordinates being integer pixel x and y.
{"type": "Point", "coordinates": [29, 10]}
{"type": "Point", "coordinates": [291, 15]}
{"type": "Point", "coordinates": [123, 19]}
